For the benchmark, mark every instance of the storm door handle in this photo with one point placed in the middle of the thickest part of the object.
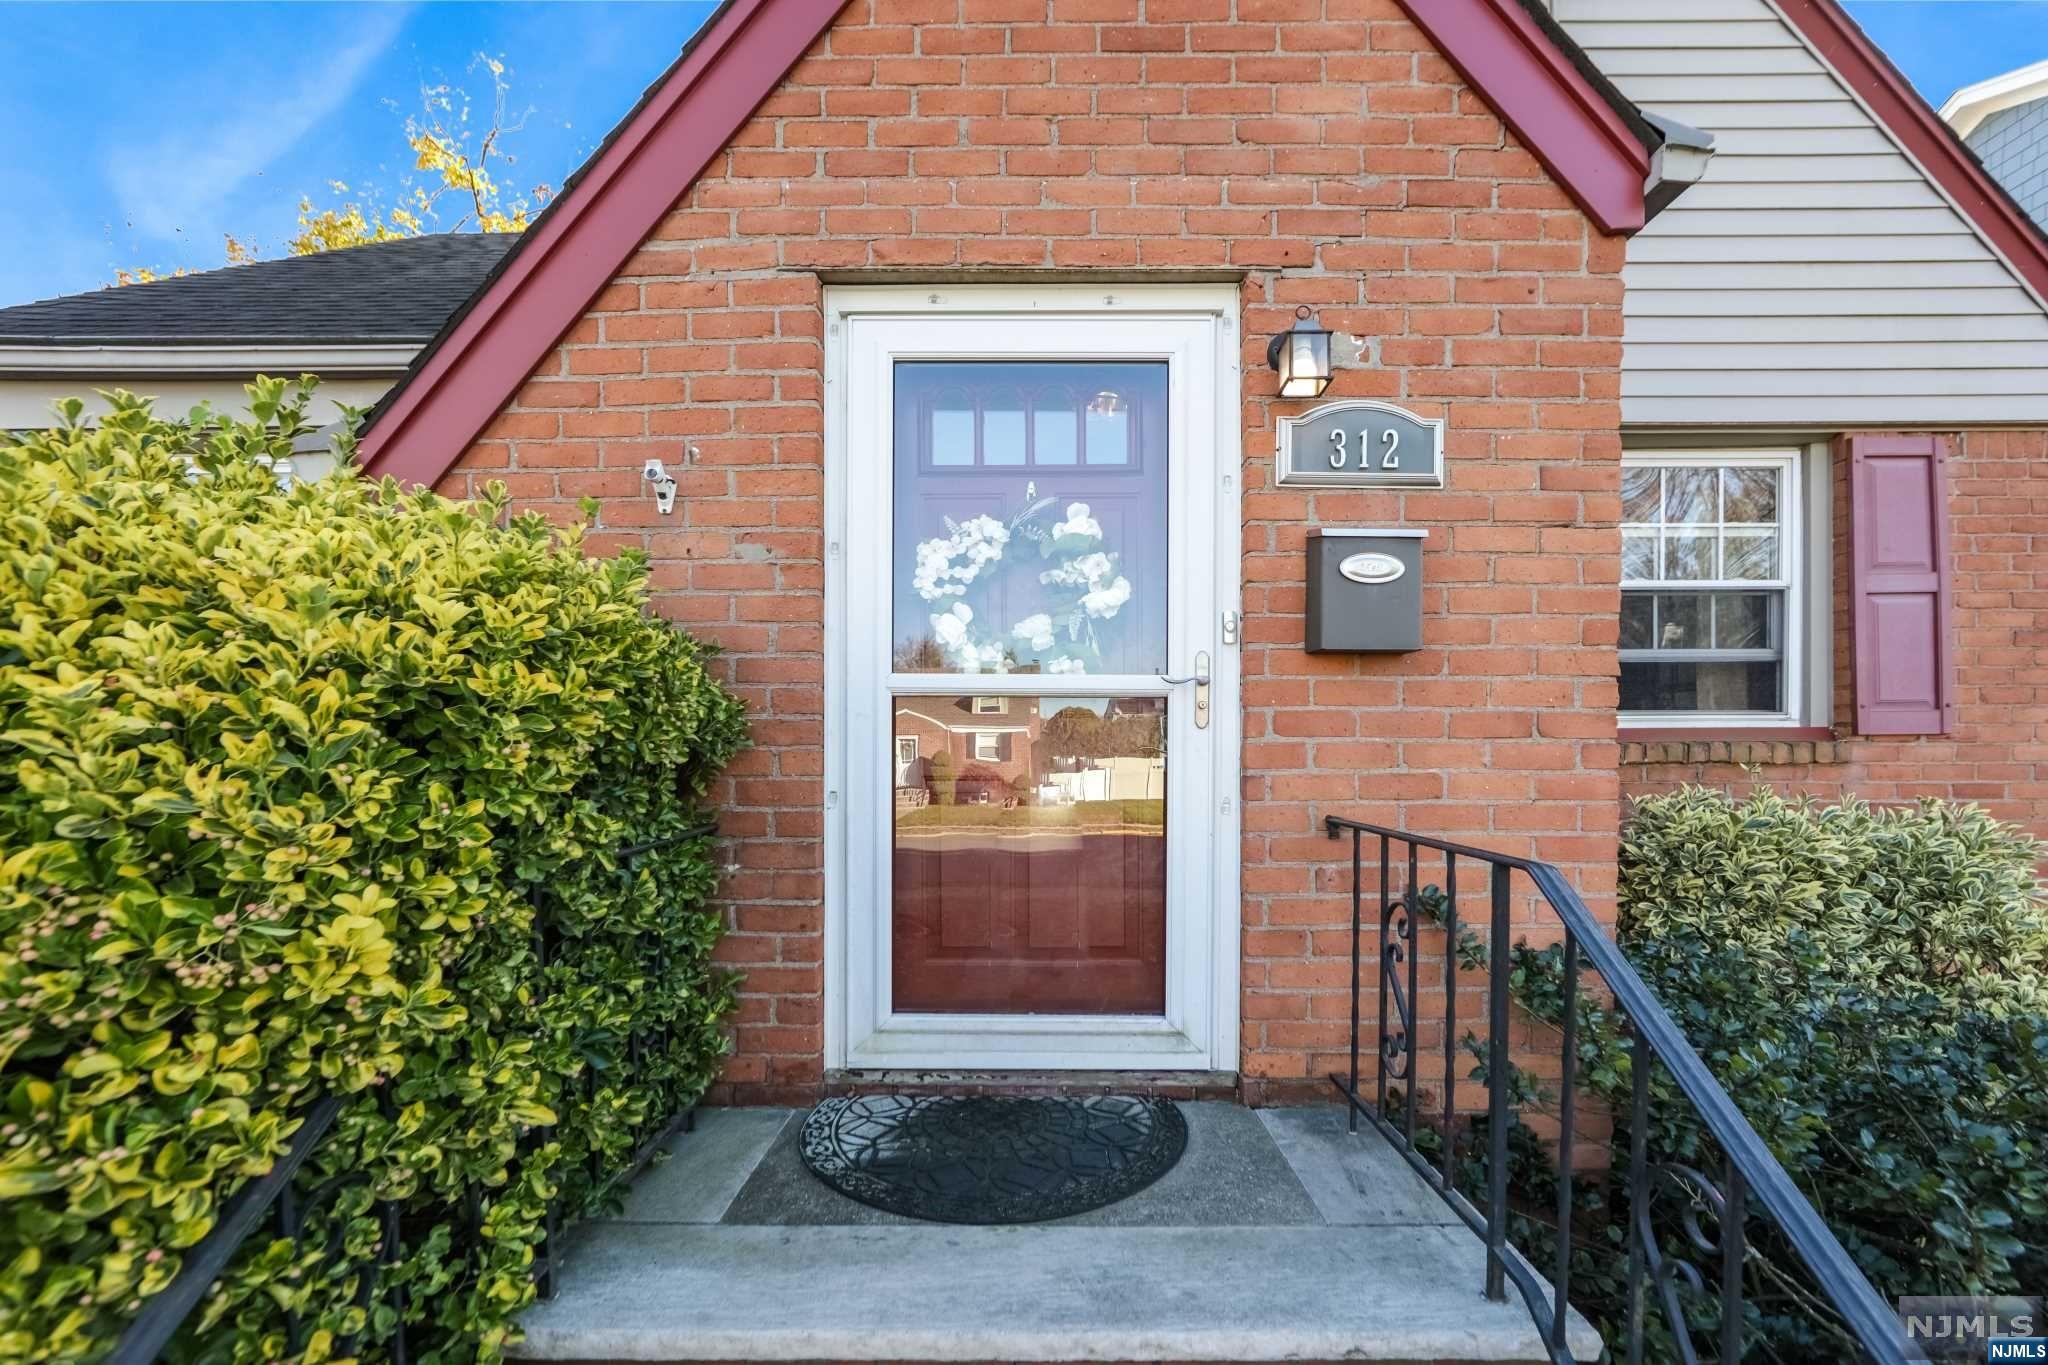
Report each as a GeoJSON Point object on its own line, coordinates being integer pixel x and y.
{"type": "Point", "coordinates": [1200, 678]}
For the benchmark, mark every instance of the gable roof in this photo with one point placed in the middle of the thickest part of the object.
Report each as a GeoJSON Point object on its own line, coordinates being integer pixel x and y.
{"type": "Point", "coordinates": [1582, 130]}
{"type": "Point", "coordinates": [383, 293]}
{"type": "Point", "coordinates": [1972, 104]}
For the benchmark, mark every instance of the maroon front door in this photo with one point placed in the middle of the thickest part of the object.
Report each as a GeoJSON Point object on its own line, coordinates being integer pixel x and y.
{"type": "Point", "coordinates": [1029, 555]}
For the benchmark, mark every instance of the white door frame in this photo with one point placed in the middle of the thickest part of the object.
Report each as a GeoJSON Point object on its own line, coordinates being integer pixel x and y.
{"type": "Point", "coordinates": [1194, 329]}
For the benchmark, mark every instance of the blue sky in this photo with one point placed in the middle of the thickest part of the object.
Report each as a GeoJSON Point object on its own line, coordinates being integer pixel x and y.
{"type": "Point", "coordinates": [1943, 45]}
{"type": "Point", "coordinates": [137, 134]}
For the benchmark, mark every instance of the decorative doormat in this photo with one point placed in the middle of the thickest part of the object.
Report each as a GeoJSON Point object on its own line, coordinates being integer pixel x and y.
{"type": "Point", "coordinates": [992, 1158]}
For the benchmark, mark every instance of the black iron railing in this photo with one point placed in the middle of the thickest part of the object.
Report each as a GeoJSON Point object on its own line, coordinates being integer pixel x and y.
{"type": "Point", "coordinates": [280, 1193]}
{"type": "Point", "coordinates": [1750, 1183]}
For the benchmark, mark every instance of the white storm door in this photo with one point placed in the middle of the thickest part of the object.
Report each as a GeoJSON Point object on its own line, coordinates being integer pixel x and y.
{"type": "Point", "coordinates": [1032, 739]}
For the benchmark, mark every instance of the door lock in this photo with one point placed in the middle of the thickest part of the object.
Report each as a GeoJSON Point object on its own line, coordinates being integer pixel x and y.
{"type": "Point", "coordinates": [1200, 678]}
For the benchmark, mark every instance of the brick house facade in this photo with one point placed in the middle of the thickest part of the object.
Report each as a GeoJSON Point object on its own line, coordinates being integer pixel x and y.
{"type": "Point", "coordinates": [1318, 153]}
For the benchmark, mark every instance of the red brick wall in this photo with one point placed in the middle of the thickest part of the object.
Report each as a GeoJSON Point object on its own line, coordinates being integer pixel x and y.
{"type": "Point", "coordinates": [1997, 756]}
{"type": "Point", "coordinates": [1320, 147]}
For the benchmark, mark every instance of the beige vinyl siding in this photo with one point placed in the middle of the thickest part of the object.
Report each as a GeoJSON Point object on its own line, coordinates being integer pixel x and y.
{"type": "Point", "coordinates": [1814, 276]}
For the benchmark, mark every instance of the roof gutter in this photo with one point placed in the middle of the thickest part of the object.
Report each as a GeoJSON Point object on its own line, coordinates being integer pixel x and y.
{"type": "Point", "coordinates": [1678, 163]}
{"type": "Point", "coordinates": [18, 361]}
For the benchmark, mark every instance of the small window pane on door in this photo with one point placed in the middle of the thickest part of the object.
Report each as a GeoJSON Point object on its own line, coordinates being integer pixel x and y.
{"type": "Point", "coordinates": [952, 436]}
{"type": "Point", "coordinates": [1109, 431]}
{"type": "Point", "coordinates": [1002, 435]}
{"type": "Point", "coordinates": [1056, 436]}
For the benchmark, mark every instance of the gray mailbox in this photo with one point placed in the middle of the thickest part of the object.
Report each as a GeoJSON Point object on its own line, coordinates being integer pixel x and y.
{"type": "Point", "coordinates": [1364, 590]}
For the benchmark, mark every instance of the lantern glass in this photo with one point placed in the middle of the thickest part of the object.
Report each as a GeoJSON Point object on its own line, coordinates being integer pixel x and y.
{"type": "Point", "coordinates": [1304, 363]}
{"type": "Point", "coordinates": [1301, 357]}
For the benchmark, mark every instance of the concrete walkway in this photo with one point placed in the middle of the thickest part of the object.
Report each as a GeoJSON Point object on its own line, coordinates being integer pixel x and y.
{"type": "Point", "coordinates": [1279, 1236]}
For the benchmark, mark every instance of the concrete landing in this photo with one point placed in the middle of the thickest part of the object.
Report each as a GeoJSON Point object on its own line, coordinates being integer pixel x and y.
{"type": "Point", "coordinates": [1279, 1236]}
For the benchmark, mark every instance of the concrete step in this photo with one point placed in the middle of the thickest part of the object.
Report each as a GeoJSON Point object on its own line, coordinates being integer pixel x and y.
{"type": "Point", "coordinates": [1278, 1237]}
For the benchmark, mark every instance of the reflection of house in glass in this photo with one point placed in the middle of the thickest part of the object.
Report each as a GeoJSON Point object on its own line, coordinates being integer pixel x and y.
{"type": "Point", "coordinates": [1011, 752]}
{"type": "Point", "coordinates": [1029, 869]}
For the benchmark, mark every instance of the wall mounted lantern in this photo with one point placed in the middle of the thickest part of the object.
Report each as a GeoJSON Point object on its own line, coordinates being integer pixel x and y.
{"type": "Point", "coordinates": [1301, 357]}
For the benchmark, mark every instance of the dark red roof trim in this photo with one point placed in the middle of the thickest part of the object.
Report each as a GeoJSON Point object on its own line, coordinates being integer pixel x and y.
{"type": "Point", "coordinates": [472, 370]}
{"type": "Point", "coordinates": [1539, 92]}
{"type": "Point", "coordinates": [1843, 46]}
{"type": "Point", "coordinates": [575, 250]}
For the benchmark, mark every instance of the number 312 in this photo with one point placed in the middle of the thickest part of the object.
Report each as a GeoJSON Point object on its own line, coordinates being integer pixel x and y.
{"type": "Point", "coordinates": [1388, 459]}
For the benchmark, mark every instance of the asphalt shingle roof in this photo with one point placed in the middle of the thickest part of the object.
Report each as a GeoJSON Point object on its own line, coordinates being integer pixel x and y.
{"type": "Point", "coordinates": [386, 292]}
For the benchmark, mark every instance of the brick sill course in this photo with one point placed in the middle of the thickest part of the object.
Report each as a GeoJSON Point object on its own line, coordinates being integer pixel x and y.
{"type": "Point", "coordinates": [1805, 744]}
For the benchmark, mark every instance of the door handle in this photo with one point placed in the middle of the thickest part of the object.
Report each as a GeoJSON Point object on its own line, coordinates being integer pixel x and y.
{"type": "Point", "coordinates": [1200, 678]}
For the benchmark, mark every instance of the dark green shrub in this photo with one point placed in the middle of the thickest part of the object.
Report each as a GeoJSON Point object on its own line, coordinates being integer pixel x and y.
{"type": "Point", "coordinates": [287, 776]}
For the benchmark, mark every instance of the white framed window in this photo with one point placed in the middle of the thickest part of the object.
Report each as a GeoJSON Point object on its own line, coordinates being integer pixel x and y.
{"type": "Point", "coordinates": [1712, 590]}
{"type": "Point", "coordinates": [991, 706]}
{"type": "Point", "coordinates": [988, 746]}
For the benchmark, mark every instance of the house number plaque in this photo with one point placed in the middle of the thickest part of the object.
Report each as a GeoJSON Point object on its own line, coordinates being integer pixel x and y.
{"type": "Point", "coordinates": [1361, 443]}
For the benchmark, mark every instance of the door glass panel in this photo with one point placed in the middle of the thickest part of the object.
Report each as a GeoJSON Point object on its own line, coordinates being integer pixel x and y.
{"type": "Point", "coordinates": [1029, 531]}
{"type": "Point", "coordinates": [1109, 429]}
{"type": "Point", "coordinates": [1002, 432]}
{"type": "Point", "coordinates": [1055, 433]}
{"type": "Point", "coordinates": [1029, 859]}
{"type": "Point", "coordinates": [952, 433]}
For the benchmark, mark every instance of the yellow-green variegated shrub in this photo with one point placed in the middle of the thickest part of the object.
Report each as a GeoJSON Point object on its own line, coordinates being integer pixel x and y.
{"type": "Point", "coordinates": [283, 780]}
{"type": "Point", "coordinates": [1930, 897]}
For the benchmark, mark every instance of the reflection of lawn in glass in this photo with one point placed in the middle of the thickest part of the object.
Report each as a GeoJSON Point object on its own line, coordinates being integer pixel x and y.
{"type": "Point", "coordinates": [1132, 817]}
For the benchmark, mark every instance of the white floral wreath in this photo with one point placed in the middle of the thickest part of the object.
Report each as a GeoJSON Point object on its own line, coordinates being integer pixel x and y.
{"type": "Point", "coordinates": [1082, 588]}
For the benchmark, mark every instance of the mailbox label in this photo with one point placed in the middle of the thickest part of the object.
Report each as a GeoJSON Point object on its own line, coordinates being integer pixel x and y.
{"type": "Point", "coordinates": [1371, 567]}
{"type": "Point", "coordinates": [1361, 443]}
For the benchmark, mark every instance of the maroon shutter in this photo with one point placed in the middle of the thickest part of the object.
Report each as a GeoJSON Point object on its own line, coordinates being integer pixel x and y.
{"type": "Point", "coordinates": [1898, 509]}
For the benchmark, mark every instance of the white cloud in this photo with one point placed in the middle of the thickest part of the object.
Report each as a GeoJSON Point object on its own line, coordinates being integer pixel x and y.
{"type": "Point", "coordinates": [180, 181]}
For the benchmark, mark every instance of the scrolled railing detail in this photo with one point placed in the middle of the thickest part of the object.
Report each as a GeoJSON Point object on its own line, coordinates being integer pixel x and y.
{"type": "Point", "coordinates": [1751, 1183]}
{"type": "Point", "coordinates": [1397, 946]}
{"type": "Point", "coordinates": [1701, 1194]}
